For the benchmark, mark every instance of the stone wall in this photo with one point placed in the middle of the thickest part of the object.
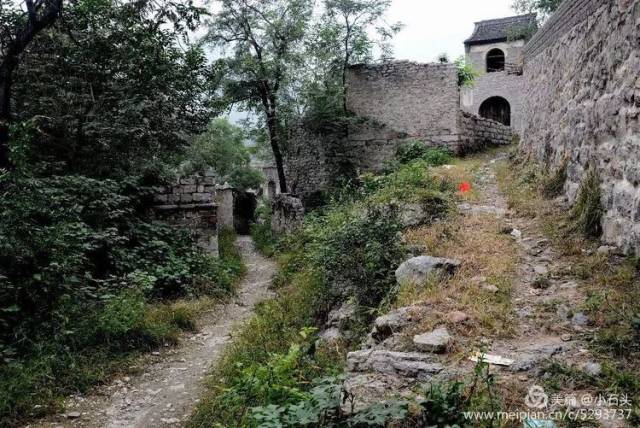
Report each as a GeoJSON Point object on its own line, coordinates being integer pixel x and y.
{"type": "Point", "coordinates": [188, 190]}
{"type": "Point", "coordinates": [582, 103]}
{"type": "Point", "coordinates": [505, 84]}
{"type": "Point", "coordinates": [477, 133]}
{"type": "Point", "coordinates": [287, 213]}
{"type": "Point", "coordinates": [189, 203]}
{"type": "Point", "coordinates": [420, 100]}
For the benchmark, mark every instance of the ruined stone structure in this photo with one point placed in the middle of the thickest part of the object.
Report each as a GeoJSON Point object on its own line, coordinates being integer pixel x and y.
{"type": "Point", "coordinates": [582, 104]}
{"type": "Point", "coordinates": [189, 203]}
{"type": "Point", "coordinates": [395, 102]}
{"type": "Point", "coordinates": [495, 51]}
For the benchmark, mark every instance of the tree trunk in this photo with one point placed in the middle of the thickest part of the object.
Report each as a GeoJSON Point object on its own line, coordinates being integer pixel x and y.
{"type": "Point", "coordinates": [5, 116]}
{"type": "Point", "coordinates": [274, 138]}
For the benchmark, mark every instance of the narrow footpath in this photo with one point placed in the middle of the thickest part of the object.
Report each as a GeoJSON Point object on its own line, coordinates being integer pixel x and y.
{"type": "Point", "coordinates": [165, 392]}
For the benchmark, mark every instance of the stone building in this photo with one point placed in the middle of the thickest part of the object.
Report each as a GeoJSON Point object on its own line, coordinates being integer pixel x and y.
{"type": "Point", "coordinates": [495, 52]}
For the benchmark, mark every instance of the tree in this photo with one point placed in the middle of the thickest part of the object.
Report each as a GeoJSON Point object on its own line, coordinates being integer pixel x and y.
{"type": "Point", "coordinates": [18, 27]}
{"type": "Point", "coordinates": [113, 89]}
{"type": "Point", "coordinates": [349, 23]}
{"type": "Point", "coordinates": [544, 8]}
{"type": "Point", "coordinates": [264, 37]}
{"type": "Point", "coordinates": [222, 148]}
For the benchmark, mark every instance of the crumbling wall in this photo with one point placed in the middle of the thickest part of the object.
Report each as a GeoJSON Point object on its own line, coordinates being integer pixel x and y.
{"type": "Point", "coordinates": [419, 100]}
{"type": "Point", "coordinates": [189, 204]}
{"type": "Point", "coordinates": [582, 103]}
{"type": "Point", "coordinates": [477, 133]}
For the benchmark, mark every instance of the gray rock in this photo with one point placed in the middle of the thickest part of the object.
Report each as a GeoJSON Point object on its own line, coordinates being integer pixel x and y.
{"type": "Point", "coordinates": [531, 358]}
{"type": "Point", "coordinates": [417, 269]}
{"type": "Point", "coordinates": [367, 389]}
{"type": "Point", "coordinates": [412, 215]}
{"type": "Point", "coordinates": [592, 369]}
{"type": "Point", "coordinates": [396, 320]}
{"type": "Point", "coordinates": [579, 319]}
{"type": "Point", "coordinates": [330, 335]}
{"type": "Point", "coordinates": [436, 341]}
{"type": "Point", "coordinates": [341, 316]}
{"type": "Point", "coordinates": [72, 415]}
{"type": "Point", "coordinates": [407, 364]}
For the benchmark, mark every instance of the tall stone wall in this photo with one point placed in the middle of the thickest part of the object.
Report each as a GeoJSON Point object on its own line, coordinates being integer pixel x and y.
{"type": "Point", "coordinates": [582, 103]}
{"type": "Point", "coordinates": [420, 100]}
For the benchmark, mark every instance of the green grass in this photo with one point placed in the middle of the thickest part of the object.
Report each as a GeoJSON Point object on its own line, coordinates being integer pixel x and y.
{"type": "Point", "coordinates": [126, 327]}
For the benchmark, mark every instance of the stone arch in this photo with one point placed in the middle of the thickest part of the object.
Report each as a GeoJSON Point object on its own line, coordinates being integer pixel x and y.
{"type": "Point", "coordinates": [495, 60]}
{"type": "Point", "coordinates": [496, 108]}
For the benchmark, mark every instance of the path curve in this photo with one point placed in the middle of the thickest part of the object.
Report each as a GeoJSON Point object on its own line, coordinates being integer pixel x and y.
{"type": "Point", "coordinates": [167, 390]}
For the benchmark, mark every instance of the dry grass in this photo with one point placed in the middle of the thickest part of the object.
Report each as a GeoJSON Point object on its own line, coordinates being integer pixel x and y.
{"type": "Point", "coordinates": [485, 252]}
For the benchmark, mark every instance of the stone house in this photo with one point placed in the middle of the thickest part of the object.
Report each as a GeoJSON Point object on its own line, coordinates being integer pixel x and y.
{"type": "Point", "coordinates": [495, 51]}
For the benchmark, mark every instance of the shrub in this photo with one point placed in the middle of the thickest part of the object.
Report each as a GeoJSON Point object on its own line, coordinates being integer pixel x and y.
{"type": "Point", "coordinates": [80, 269]}
{"type": "Point", "coordinates": [587, 210]}
{"type": "Point", "coordinates": [263, 237]}
{"type": "Point", "coordinates": [414, 150]}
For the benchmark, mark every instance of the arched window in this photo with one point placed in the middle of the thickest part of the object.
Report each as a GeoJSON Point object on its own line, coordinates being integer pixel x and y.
{"type": "Point", "coordinates": [498, 109]}
{"type": "Point", "coordinates": [495, 61]}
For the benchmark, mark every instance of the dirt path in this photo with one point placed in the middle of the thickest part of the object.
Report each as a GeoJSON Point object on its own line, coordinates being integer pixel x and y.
{"type": "Point", "coordinates": [165, 393]}
{"type": "Point", "coordinates": [544, 297]}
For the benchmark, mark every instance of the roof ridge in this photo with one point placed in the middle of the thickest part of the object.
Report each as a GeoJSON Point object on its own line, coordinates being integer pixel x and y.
{"type": "Point", "coordinates": [527, 15]}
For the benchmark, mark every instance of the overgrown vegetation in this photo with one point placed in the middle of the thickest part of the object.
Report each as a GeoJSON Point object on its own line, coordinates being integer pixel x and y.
{"type": "Point", "coordinates": [84, 287]}
{"type": "Point", "coordinates": [347, 251]}
{"type": "Point", "coordinates": [553, 185]}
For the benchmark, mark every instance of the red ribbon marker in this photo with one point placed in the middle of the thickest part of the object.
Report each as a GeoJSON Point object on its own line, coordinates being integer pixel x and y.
{"type": "Point", "coordinates": [464, 187]}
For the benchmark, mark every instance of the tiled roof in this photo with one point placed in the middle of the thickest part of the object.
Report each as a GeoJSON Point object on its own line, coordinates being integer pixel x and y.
{"type": "Point", "coordinates": [495, 30]}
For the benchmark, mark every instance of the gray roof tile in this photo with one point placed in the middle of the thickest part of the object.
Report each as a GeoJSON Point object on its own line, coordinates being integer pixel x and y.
{"type": "Point", "coordinates": [495, 30]}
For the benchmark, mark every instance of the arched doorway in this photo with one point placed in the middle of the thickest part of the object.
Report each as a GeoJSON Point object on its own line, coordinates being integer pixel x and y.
{"type": "Point", "coordinates": [495, 60]}
{"type": "Point", "coordinates": [496, 108]}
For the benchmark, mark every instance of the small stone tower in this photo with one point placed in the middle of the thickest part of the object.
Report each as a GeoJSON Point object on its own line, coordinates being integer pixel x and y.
{"type": "Point", "coordinates": [495, 52]}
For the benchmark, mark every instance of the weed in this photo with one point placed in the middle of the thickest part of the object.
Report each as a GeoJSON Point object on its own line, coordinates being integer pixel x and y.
{"type": "Point", "coordinates": [587, 210]}
{"type": "Point", "coordinates": [554, 185]}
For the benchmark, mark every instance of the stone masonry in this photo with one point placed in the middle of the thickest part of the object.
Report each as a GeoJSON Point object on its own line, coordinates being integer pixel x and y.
{"type": "Point", "coordinates": [420, 100]}
{"type": "Point", "coordinates": [582, 103]}
{"type": "Point", "coordinates": [395, 103]}
{"type": "Point", "coordinates": [189, 203]}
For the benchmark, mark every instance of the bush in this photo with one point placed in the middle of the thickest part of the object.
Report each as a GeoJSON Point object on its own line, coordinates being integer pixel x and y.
{"type": "Point", "coordinates": [414, 150]}
{"type": "Point", "coordinates": [263, 237]}
{"type": "Point", "coordinates": [553, 186]}
{"type": "Point", "coordinates": [81, 271]}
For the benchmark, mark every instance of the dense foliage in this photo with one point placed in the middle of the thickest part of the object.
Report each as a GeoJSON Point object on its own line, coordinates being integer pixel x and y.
{"type": "Point", "coordinates": [109, 91]}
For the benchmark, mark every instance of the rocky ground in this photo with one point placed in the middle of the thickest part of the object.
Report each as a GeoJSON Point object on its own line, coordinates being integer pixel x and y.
{"type": "Point", "coordinates": [546, 326]}
{"type": "Point", "coordinates": [168, 388]}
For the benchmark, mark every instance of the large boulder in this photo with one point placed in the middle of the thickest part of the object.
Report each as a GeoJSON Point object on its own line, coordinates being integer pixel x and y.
{"type": "Point", "coordinates": [421, 367]}
{"type": "Point", "coordinates": [417, 270]}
